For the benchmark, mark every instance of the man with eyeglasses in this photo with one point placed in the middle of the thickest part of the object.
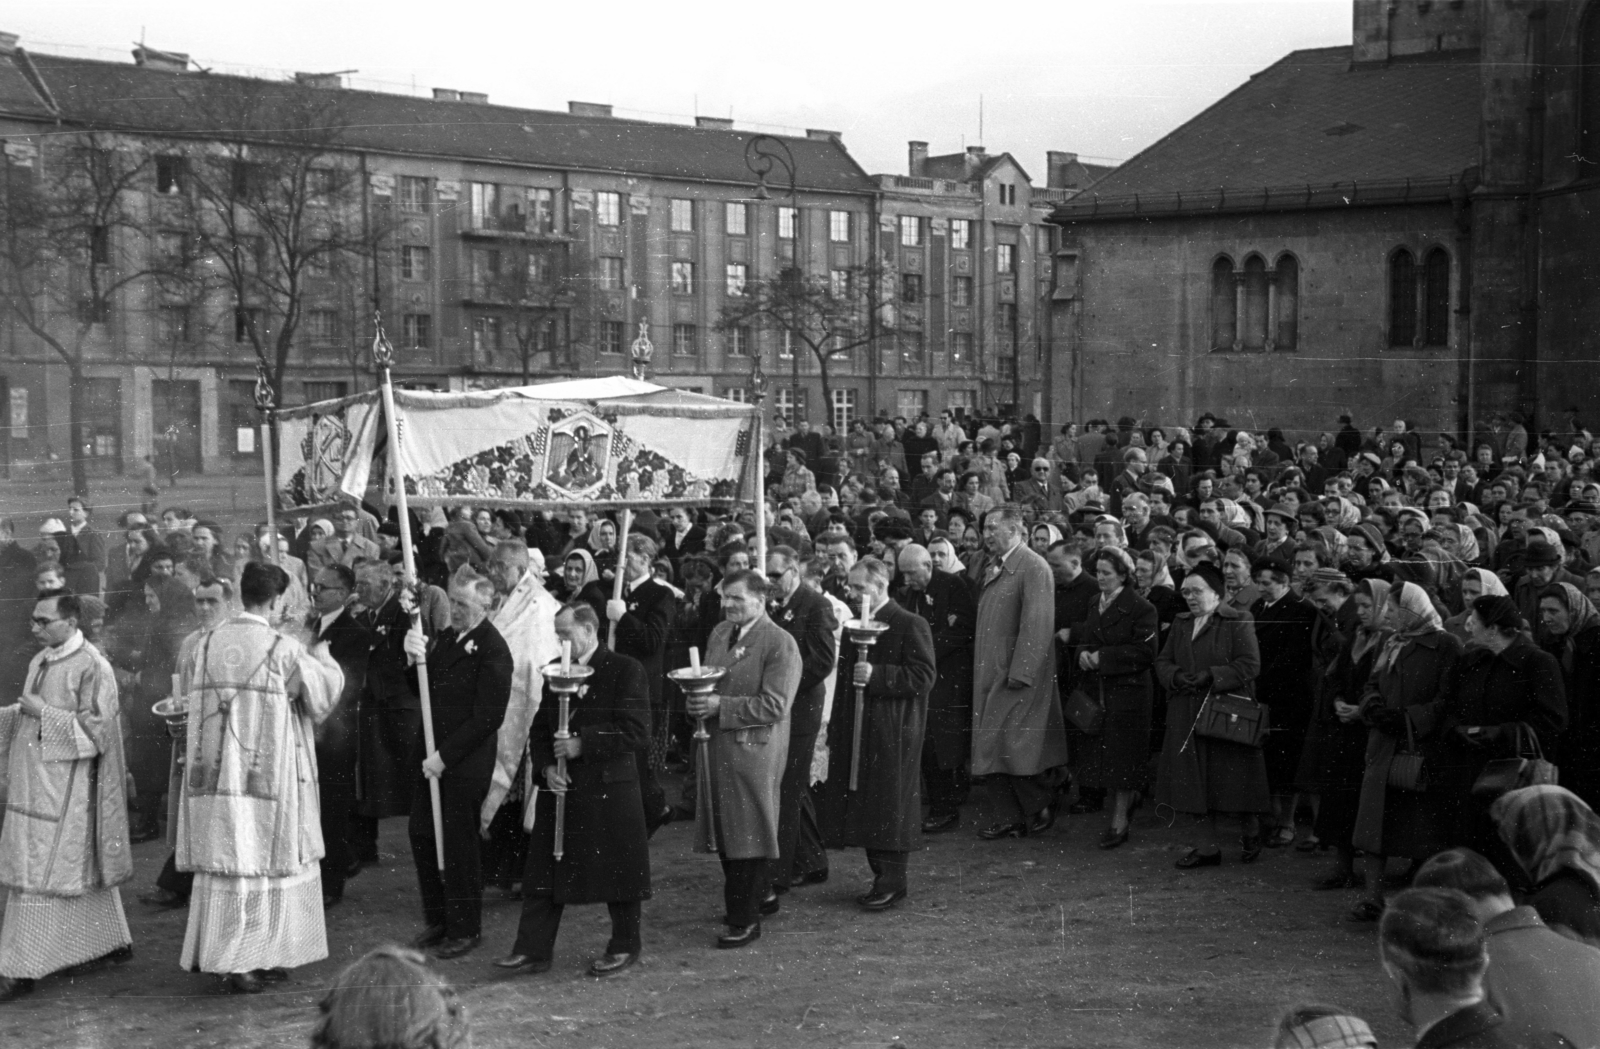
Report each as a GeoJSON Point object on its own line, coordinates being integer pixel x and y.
{"type": "Point", "coordinates": [64, 845]}
{"type": "Point", "coordinates": [344, 546]}
{"type": "Point", "coordinates": [840, 552]}
{"type": "Point", "coordinates": [1039, 493]}
{"type": "Point", "coordinates": [808, 617]}
{"type": "Point", "coordinates": [349, 643]}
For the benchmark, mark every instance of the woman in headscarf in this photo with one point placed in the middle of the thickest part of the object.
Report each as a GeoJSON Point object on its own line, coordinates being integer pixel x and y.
{"type": "Point", "coordinates": [1239, 591]}
{"type": "Point", "coordinates": [1211, 648]}
{"type": "Point", "coordinates": [1555, 838]}
{"type": "Point", "coordinates": [577, 572]}
{"type": "Point", "coordinates": [1153, 582]}
{"type": "Point", "coordinates": [1347, 738]}
{"type": "Point", "coordinates": [1475, 583]}
{"type": "Point", "coordinates": [1569, 629]}
{"type": "Point", "coordinates": [1402, 708]}
{"type": "Point", "coordinates": [1042, 537]}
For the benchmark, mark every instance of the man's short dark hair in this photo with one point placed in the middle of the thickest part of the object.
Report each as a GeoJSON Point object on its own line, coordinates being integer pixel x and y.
{"type": "Point", "coordinates": [582, 613]}
{"type": "Point", "coordinates": [216, 580]}
{"type": "Point", "coordinates": [260, 582]}
{"type": "Point", "coordinates": [1433, 937]}
{"type": "Point", "coordinates": [1071, 547]}
{"type": "Point", "coordinates": [68, 606]}
{"type": "Point", "coordinates": [790, 556]}
{"type": "Point", "coordinates": [1464, 870]}
{"type": "Point", "coordinates": [752, 581]}
{"type": "Point", "coordinates": [837, 539]}
{"type": "Point", "coordinates": [347, 577]}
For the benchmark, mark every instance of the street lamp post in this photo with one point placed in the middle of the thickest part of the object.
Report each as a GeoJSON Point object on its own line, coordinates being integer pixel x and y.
{"type": "Point", "coordinates": [763, 153]}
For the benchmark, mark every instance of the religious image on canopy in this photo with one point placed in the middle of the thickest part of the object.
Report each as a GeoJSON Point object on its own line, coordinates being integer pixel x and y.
{"type": "Point", "coordinates": [611, 443]}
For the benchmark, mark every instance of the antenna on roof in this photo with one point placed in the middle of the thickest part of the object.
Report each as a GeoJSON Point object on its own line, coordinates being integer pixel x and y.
{"type": "Point", "coordinates": [980, 118]}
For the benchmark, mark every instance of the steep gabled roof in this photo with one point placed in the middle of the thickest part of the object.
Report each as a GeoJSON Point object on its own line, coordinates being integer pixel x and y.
{"type": "Point", "coordinates": [1312, 120]}
{"type": "Point", "coordinates": [129, 97]}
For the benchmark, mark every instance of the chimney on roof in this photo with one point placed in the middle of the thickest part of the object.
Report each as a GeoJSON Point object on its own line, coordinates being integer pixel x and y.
{"type": "Point", "coordinates": [8, 43]}
{"type": "Point", "coordinates": [327, 81]}
{"type": "Point", "coordinates": [446, 94]}
{"type": "Point", "coordinates": [167, 61]}
{"type": "Point", "coordinates": [918, 159]}
{"type": "Point", "coordinates": [479, 98]}
{"type": "Point", "coordinates": [589, 109]}
{"type": "Point", "coordinates": [823, 135]}
{"type": "Point", "coordinates": [1058, 164]}
{"type": "Point", "coordinates": [715, 123]}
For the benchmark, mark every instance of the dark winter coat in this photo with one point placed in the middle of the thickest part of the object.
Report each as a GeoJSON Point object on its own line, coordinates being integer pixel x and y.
{"type": "Point", "coordinates": [952, 617]}
{"type": "Point", "coordinates": [1125, 638]}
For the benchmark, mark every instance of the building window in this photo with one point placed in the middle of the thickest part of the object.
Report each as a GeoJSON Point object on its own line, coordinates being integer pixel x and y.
{"type": "Point", "coordinates": [790, 402]}
{"type": "Point", "coordinates": [844, 410]}
{"type": "Point", "coordinates": [1255, 303]}
{"type": "Point", "coordinates": [322, 326]}
{"type": "Point", "coordinates": [684, 340]}
{"type": "Point", "coordinates": [610, 273]}
{"type": "Point", "coordinates": [739, 342]}
{"type": "Point", "coordinates": [541, 211]}
{"type": "Point", "coordinates": [1436, 298]}
{"type": "Point", "coordinates": [913, 350]}
{"type": "Point", "coordinates": [788, 222]}
{"type": "Point", "coordinates": [960, 402]}
{"type": "Point", "coordinates": [960, 234]}
{"type": "Point", "coordinates": [1286, 282]}
{"type": "Point", "coordinates": [910, 288]}
{"type": "Point", "coordinates": [485, 272]}
{"type": "Point", "coordinates": [418, 329]}
{"type": "Point", "coordinates": [413, 193]}
{"type": "Point", "coordinates": [321, 184]}
{"type": "Point", "coordinates": [242, 416]}
{"type": "Point", "coordinates": [246, 320]}
{"type": "Point", "coordinates": [324, 391]}
{"type": "Point", "coordinates": [170, 175]}
{"type": "Point", "coordinates": [738, 216]}
{"type": "Point", "coordinates": [485, 336]}
{"type": "Point", "coordinates": [610, 336]}
{"type": "Point", "coordinates": [910, 231]}
{"type": "Point", "coordinates": [1005, 258]}
{"type": "Point", "coordinates": [960, 349]}
{"type": "Point", "coordinates": [683, 278]}
{"type": "Point", "coordinates": [1008, 192]}
{"type": "Point", "coordinates": [839, 284]}
{"type": "Point", "coordinates": [1005, 318]}
{"type": "Point", "coordinates": [1005, 367]}
{"type": "Point", "coordinates": [414, 262]}
{"type": "Point", "coordinates": [683, 216]}
{"type": "Point", "coordinates": [1402, 299]}
{"type": "Point", "coordinates": [485, 204]}
{"type": "Point", "coordinates": [738, 273]}
{"type": "Point", "coordinates": [1224, 306]}
{"type": "Point", "coordinates": [911, 404]}
{"type": "Point", "coordinates": [172, 323]}
{"type": "Point", "coordinates": [172, 250]}
{"type": "Point", "coordinates": [608, 208]}
{"type": "Point", "coordinates": [839, 227]}
{"type": "Point", "coordinates": [961, 291]}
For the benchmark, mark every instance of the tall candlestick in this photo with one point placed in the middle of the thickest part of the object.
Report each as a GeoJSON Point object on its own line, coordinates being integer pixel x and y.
{"type": "Point", "coordinates": [865, 615]}
{"type": "Point", "coordinates": [566, 657]}
{"type": "Point", "coordinates": [694, 658]}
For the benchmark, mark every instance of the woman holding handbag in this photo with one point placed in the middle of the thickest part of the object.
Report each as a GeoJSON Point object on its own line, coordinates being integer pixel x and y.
{"type": "Point", "coordinates": [1400, 813]}
{"type": "Point", "coordinates": [1114, 651]}
{"type": "Point", "coordinates": [1210, 651]}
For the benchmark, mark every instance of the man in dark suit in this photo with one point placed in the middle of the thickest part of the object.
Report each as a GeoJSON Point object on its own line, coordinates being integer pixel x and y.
{"type": "Point", "coordinates": [389, 718]}
{"type": "Point", "coordinates": [883, 814]}
{"type": "Point", "coordinates": [681, 536]}
{"type": "Point", "coordinates": [644, 619]}
{"type": "Point", "coordinates": [469, 671]}
{"type": "Point", "coordinates": [945, 601]}
{"type": "Point", "coordinates": [606, 849]}
{"type": "Point", "coordinates": [337, 737]}
{"type": "Point", "coordinates": [808, 618]}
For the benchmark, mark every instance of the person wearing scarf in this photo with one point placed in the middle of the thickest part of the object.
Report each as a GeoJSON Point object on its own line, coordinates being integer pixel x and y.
{"type": "Point", "coordinates": [577, 572]}
{"type": "Point", "coordinates": [1555, 838]}
{"type": "Point", "coordinates": [1475, 583]}
{"type": "Point", "coordinates": [1404, 702]}
{"type": "Point", "coordinates": [1569, 629]}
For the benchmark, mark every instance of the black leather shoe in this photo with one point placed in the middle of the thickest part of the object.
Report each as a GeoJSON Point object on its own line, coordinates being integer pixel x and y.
{"type": "Point", "coordinates": [431, 936]}
{"type": "Point", "coordinates": [12, 989]}
{"type": "Point", "coordinates": [880, 901]}
{"type": "Point", "coordinates": [272, 975]}
{"type": "Point", "coordinates": [1195, 858]}
{"type": "Point", "coordinates": [1250, 848]}
{"type": "Point", "coordinates": [656, 822]}
{"type": "Point", "coordinates": [809, 878]}
{"type": "Point", "coordinates": [166, 899]}
{"type": "Point", "coordinates": [244, 983]}
{"type": "Point", "coordinates": [1043, 820]}
{"type": "Point", "coordinates": [1078, 808]}
{"type": "Point", "coordinates": [457, 947]}
{"type": "Point", "coordinates": [611, 964]}
{"type": "Point", "coordinates": [522, 963]}
{"type": "Point", "coordinates": [942, 823]}
{"type": "Point", "coordinates": [144, 834]}
{"type": "Point", "coordinates": [737, 936]}
{"type": "Point", "coordinates": [770, 905]}
{"type": "Point", "coordinates": [1112, 838]}
{"type": "Point", "coordinates": [354, 868]}
{"type": "Point", "coordinates": [996, 831]}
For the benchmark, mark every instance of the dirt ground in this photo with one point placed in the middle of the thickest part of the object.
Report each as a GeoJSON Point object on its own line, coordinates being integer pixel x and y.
{"type": "Point", "coordinates": [1042, 942]}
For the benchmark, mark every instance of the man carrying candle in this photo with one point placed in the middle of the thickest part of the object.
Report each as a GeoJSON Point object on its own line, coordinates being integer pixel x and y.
{"type": "Point", "coordinates": [884, 814]}
{"type": "Point", "coordinates": [606, 851]}
{"type": "Point", "coordinates": [748, 718]}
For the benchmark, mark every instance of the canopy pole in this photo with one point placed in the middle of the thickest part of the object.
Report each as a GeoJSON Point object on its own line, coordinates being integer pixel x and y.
{"type": "Point", "coordinates": [617, 579]}
{"type": "Point", "coordinates": [264, 403]}
{"type": "Point", "coordinates": [383, 356]}
{"type": "Point", "coordinates": [761, 493]}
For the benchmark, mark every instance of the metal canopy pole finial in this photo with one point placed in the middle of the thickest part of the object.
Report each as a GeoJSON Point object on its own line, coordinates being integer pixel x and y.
{"type": "Point", "coordinates": [643, 349]}
{"type": "Point", "coordinates": [382, 348]}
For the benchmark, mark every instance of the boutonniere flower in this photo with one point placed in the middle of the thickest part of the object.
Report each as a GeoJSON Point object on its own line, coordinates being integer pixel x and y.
{"type": "Point", "coordinates": [788, 617]}
{"type": "Point", "coordinates": [738, 653]}
{"type": "Point", "coordinates": [953, 620]}
{"type": "Point", "coordinates": [471, 647]}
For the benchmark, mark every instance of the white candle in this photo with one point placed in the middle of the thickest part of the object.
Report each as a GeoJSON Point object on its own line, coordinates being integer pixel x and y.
{"type": "Point", "coordinates": [566, 657]}
{"type": "Point", "coordinates": [865, 615]}
{"type": "Point", "coordinates": [177, 684]}
{"type": "Point", "coordinates": [694, 658]}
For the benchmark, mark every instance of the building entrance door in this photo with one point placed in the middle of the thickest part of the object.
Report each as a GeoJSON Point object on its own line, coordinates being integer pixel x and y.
{"type": "Point", "coordinates": [175, 433]}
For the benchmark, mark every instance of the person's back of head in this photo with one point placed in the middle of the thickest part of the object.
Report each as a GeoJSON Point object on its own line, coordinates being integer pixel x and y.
{"type": "Point", "coordinates": [1469, 873]}
{"type": "Point", "coordinates": [390, 999]}
{"type": "Point", "coordinates": [1322, 1027]}
{"type": "Point", "coordinates": [1432, 940]}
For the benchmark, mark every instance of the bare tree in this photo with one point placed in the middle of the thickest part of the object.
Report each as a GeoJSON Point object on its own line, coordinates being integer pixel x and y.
{"type": "Point", "coordinates": [830, 315]}
{"type": "Point", "coordinates": [525, 291]}
{"type": "Point", "coordinates": [75, 252]}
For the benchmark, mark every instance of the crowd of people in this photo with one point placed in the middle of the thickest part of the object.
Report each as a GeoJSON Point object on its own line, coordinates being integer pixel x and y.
{"type": "Point", "coordinates": [1327, 644]}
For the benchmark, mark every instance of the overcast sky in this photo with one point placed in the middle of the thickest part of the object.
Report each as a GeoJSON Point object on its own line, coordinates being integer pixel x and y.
{"type": "Point", "coordinates": [1103, 78]}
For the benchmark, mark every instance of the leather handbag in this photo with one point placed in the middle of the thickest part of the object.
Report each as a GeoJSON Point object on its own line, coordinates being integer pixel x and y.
{"type": "Point", "coordinates": [1233, 718]}
{"type": "Point", "coordinates": [1526, 767]}
{"type": "Point", "coordinates": [1405, 768]}
{"type": "Point", "coordinates": [1084, 712]}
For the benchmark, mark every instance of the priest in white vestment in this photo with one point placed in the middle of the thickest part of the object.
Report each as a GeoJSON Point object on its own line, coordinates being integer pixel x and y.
{"type": "Point", "coordinates": [64, 846]}
{"type": "Point", "coordinates": [249, 826]}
